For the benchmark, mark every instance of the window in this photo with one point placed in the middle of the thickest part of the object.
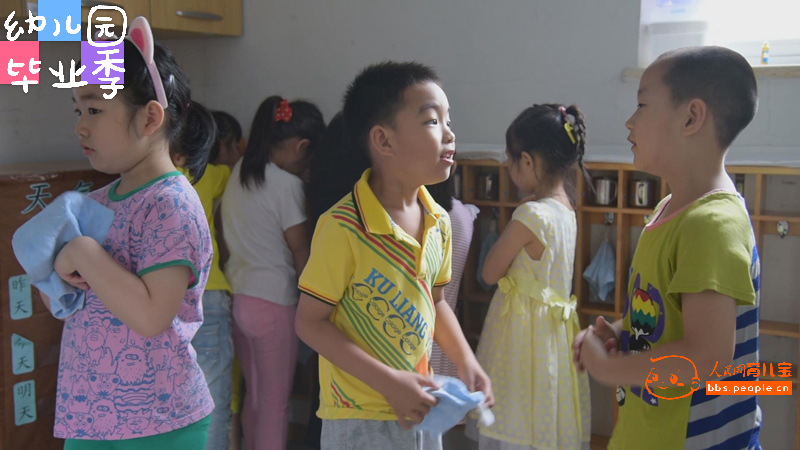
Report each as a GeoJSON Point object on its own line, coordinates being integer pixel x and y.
{"type": "Point", "coordinates": [742, 25]}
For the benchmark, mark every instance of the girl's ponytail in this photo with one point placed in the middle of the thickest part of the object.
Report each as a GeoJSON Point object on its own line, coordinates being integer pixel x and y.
{"type": "Point", "coordinates": [197, 136]}
{"type": "Point", "coordinates": [188, 126]}
{"type": "Point", "coordinates": [579, 129]}
{"type": "Point", "coordinates": [262, 137]}
{"type": "Point", "coordinates": [275, 121]}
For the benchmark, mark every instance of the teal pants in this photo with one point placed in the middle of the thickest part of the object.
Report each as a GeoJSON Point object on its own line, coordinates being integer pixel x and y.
{"type": "Point", "coordinates": [190, 438]}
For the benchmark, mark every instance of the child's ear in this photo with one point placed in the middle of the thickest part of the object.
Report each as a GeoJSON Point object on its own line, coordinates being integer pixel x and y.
{"type": "Point", "coordinates": [242, 146]}
{"type": "Point", "coordinates": [380, 139]}
{"type": "Point", "coordinates": [302, 145]}
{"type": "Point", "coordinates": [153, 118]}
{"type": "Point", "coordinates": [526, 160]}
{"type": "Point", "coordinates": [696, 116]}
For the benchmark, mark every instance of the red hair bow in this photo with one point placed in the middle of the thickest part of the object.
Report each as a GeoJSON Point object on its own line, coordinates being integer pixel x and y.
{"type": "Point", "coordinates": [284, 112]}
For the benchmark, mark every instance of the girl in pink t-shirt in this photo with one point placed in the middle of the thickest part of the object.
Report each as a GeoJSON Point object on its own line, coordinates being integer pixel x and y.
{"type": "Point", "coordinates": [127, 371]}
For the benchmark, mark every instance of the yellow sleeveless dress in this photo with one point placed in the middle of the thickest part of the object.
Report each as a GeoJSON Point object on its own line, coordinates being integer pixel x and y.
{"type": "Point", "coordinates": [541, 401]}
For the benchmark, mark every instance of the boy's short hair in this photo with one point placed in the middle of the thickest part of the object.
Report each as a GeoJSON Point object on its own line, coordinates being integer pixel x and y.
{"type": "Point", "coordinates": [376, 95]}
{"type": "Point", "coordinates": [720, 77]}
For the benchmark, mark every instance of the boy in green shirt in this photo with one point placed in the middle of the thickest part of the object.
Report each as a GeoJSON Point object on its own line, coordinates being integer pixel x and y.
{"type": "Point", "coordinates": [692, 300]}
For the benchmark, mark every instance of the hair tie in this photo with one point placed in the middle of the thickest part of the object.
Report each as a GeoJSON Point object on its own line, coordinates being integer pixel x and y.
{"type": "Point", "coordinates": [284, 112]}
{"type": "Point", "coordinates": [569, 121]}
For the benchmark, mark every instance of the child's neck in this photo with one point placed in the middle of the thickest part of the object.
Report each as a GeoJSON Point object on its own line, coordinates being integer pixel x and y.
{"type": "Point", "coordinates": [156, 163]}
{"type": "Point", "coordinates": [393, 193]}
{"type": "Point", "coordinates": [694, 180]}
{"type": "Point", "coordinates": [400, 200]}
{"type": "Point", "coordinates": [556, 191]}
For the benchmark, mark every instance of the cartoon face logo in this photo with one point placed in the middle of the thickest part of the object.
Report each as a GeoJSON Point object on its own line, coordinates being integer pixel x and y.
{"type": "Point", "coordinates": [96, 334]}
{"type": "Point", "coordinates": [665, 384]}
{"type": "Point", "coordinates": [103, 384]}
{"type": "Point", "coordinates": [131, 366]}
{"type": "Point", "coordinates": [117, 333]}
{"type": "Point", "coordinates": [105, 417]}
{"type": "Point", "coordinates": [136, 421]}
{"type": "Point", "coordinates": [80, 423]}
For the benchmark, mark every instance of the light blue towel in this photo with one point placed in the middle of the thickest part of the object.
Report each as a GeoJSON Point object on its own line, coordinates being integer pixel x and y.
{"type": "Point", "coordinates": [37, 243]}
{"type": "Point", "coordinates": [455, 401]}
{"type": "Point", "coordinates": [601, 273]}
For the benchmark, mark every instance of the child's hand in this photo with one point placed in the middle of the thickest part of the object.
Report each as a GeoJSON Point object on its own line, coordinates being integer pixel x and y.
{"type": "Point", "coordinates": [65, 268]}
{"type": "Point", "coordinates": [593, 351]}
{"type": "Point", "coordinates": [604, 331]}
{"type": "Point", "coordinates": [476, 379]}
{"type": "Point", "coordinates": [403, 390]}
{"type": "Point", "coordinates": [576, 349]}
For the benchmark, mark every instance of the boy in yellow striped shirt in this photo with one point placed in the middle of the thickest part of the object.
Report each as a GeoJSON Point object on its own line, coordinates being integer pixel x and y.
{"type": "Point", "coordinates": [372, 299]}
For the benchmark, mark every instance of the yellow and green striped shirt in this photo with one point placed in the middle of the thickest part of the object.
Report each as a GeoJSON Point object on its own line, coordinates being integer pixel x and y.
{"type": "Point", "coordinates": [379, 281]}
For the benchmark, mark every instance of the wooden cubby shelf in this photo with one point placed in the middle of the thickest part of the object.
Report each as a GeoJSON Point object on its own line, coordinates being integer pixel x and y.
{"type": "Point", "coordinates": [621, 234]}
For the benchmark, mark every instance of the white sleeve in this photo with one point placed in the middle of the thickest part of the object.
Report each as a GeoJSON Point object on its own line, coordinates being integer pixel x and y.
{"type": "Point", "coordinates": [291, 204]}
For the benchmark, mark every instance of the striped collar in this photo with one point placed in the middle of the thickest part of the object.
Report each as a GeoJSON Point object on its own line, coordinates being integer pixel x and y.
{"type": "Point", "coordinates": [374, 216]}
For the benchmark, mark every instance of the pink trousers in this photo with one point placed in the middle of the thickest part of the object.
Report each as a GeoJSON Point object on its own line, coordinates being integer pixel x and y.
{"type": "Point", "coordinates": [266, 345]}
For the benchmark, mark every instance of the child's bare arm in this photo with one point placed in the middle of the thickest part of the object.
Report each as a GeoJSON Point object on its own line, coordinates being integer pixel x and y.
{"type": "Point", "coordinates": [451, 339]}
{"type": "Point", "coordinates": [514, 237]}
{"type": "Point", "coordinates": [147, 305]}
{"type": "Point", "coordinates": [402, 390]}
{"type": "Point", "coordinates": [709, 337]}
{"type": "Point", "coordinates": [298, 242]}
{"type": "Point", "coordinates": [222, 246]}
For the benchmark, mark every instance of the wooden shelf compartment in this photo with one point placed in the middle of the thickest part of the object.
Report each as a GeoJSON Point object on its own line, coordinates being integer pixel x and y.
{"type": "Point", "coordinates": [477, 296]}
{"type": "Point", "coordinates": [597, 309]}
{"type": "Point", "coordinates": [774, 328]}
{"type": "Point", "coordinates": [615, 210]}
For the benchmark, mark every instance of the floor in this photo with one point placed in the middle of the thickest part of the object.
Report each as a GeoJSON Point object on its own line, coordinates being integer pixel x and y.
{"type": "Point", "coordinates": [453, 440]}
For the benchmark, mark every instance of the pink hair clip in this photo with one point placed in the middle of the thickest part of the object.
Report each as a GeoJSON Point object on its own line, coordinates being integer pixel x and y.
{"type": "Point", "coordinates": [141, 36]}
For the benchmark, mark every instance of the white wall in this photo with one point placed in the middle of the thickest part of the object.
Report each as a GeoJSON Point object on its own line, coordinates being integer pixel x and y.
{"type": "Point", "coordinates": [495, 58]}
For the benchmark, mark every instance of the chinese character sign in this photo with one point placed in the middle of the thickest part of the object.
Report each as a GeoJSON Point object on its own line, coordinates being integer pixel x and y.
{"type": "Point", "coordinates": [62, 20]}
{"type": "Point", "coordinates": [24, 402]}
{"type": "Point", "coordinates": [102, 55]}
{"type": "Point", "coordinates": [19, 295]}
{"type": "Point", "coordinates": [19, 64]}
{"type": "Point", "coordinates": [21, 355]}
{"type": "Point", "coordinates": [104, 66]}
{"type": "Point", "coordinates": [38, 197]}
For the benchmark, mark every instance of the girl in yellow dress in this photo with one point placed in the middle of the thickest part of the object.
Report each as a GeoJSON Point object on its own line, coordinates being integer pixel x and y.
{"type": "Point", "coordinates": [541, 401]}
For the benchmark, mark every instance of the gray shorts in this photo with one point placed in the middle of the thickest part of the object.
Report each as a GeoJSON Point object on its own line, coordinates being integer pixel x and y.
{"type": "Point", "coordinates": [358, 434]}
